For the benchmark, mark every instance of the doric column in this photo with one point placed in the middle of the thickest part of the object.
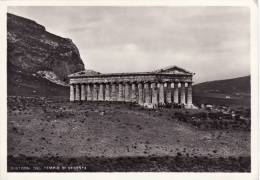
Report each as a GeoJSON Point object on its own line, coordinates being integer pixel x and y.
{"type": "Point", "coordinates": [89, 92]}
{"type": "Point", "coordinates": [140, 94]}
{"type": "Point", "coordinates": [113, 92]}
{"type": "Point", "coordinates": [123, 92]}
{"type": "Point", "coordinates": [107, 92]}
{"type": "Point", "coordinates": [101, 92]}
{"type": "Point", "coordinates": [72, 98]}
{"type": "Point", "coordinates": [83, 93]}
{"type": "Point", "coordinates": [189, 95]}
{"type": "Point", "coordinates": [127, 92]}
{"type": "Point", "coordinates": [169, 93]}
{"type": "Point", "coordinates": [95, 92]}
{"type": "Point", "coordinates": [133, 93]}
{"type": "Point", "coordinates": [77, 98]}
{"type": "Point", "coordinates": [120, 92]}
{"type": "Point", "coordinates": [147, 94]}
{"type": "Point", "coordinates": [176, 93]}
{"type": "Point", "coordinates": [183, 101]}
{"type": "Point", "coordinates": [161, 93]}
{"type": "Point", "coordinates": [154, 93]}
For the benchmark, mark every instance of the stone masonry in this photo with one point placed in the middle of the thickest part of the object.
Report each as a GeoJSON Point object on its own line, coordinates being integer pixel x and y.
{"type": "Point", "coordinates": [168, 85]}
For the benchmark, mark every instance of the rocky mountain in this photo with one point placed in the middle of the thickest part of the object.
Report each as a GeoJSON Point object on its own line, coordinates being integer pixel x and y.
{"type": "Point", "coordinates": [32, 52]}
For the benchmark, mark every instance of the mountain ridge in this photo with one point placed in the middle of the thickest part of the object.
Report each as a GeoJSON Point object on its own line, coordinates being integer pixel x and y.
{"type": "Point", "coordinates": [235, 91]}
{"type": "Point", "coordinates": [231, 85]}
{"type": "Point", "coordinates": [31, 48]}
{"type": "Point", "coordinates": [38, 62]}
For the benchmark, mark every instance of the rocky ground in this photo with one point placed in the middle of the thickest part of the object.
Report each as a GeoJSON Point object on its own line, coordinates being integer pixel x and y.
{"type": "Point", "coordinates": [102, 136]}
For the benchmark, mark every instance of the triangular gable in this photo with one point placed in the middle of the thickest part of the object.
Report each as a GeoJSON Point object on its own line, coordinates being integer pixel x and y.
{"type": "Point", "coordinates": [86, 72]}
{"type": "Point", "coordinates": [173, 70]}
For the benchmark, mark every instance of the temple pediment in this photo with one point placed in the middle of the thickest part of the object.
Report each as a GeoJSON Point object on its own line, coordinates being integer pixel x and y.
{"type": "Point", "coordinates": [86, 72]}
{"type": "Point", "coordinates": [173, 70]}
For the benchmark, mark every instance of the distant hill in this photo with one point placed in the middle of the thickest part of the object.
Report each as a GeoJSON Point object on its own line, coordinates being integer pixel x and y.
{"type": "Point", "coordinates": [231, 91]}
{"type": "Point", "coordinates": [227, 86]}
{"type": "Point", "coordinates": [38, 62]}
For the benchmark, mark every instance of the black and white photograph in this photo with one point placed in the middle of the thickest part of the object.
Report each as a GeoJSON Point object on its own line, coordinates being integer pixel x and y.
{"type": "Point", "coordinates": [129, 89]}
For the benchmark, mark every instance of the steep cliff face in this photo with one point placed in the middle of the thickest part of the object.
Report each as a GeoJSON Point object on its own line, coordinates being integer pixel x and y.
{"type": "Point", "coordinates": [32, 49]}
{"type": "Point", "coordinates": [38, 62]}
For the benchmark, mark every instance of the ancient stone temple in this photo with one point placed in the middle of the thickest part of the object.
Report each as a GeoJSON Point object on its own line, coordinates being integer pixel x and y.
{"type": "Point", "coordinates": [168, 85]}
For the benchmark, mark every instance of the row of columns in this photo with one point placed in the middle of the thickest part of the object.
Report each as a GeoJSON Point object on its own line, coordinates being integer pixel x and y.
{"type": "Point", "coordinates": [151, 93]}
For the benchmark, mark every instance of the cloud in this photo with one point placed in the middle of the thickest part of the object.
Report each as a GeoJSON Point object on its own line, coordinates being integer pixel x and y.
{"type": "Point", "coordinates": [214, 42]}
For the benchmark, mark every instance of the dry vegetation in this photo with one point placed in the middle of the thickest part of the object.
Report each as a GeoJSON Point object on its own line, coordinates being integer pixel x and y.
{"type": "Point", "coordinates": [104, 136]}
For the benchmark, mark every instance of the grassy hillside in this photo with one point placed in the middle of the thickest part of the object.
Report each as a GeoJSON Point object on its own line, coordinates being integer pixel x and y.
{"type": "Point", "coordinates": [23, 84]}
{"type": "Point", "coordinates": [105, 136]}
{"type": "Point", "coordinates": [223, 92]}
{"type": "Point", "coordinates": [228, 86]}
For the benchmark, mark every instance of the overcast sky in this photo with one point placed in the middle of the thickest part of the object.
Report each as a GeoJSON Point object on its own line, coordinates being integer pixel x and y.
{"type": "Point", "coordinates": [213, 42]}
